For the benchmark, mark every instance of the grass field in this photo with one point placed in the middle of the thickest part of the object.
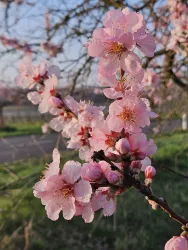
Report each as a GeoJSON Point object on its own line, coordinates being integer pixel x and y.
{"type": "Point", "coordinates": [21, 128]}
{"type": "Point", "coordinates": [24, 225]}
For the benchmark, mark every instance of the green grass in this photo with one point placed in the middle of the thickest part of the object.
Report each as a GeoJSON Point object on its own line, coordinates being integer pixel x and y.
{"type": "Point", "coordinates": [21, 128]}
{"type": "Point", "coordinates": [23, 219]}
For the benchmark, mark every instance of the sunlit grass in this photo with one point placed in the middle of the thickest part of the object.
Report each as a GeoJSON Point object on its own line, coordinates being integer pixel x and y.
{"type": "Point", "coordinates": [21, 128]}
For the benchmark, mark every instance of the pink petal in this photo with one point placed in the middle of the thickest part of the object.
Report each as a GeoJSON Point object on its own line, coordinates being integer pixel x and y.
{"type": "Point", "coordinates": [43, 106]}
{"type": "Point", "coordinates": [130, 62]}
{"type": "Point", "coordinates": [146, 162]}
{"type": "Point", "coordinates": [71, 171]}
{"type": "Point", "coordinates": [138, 141]}
{"type": "Point", "coordinates": [68, 208]}
{"type": "Point", "coordinates": [34, 97]}
{"type": "Point", "coordinates": [53, 209]}
{"type": "Point", "coordinates": [111, 17]}
{"type": "Point", "coordinates": [82, 191]}
{"type": "Point", "coordinates": [127, 40]}
{"type": "Point", "coordinates": [40, 186]}
{"type": "Point", "coordinates": [109, 208]}
{"type": "Point", "coordinates": [111, 93]}
{"type": "Point", "coordinates": [146, 43]}
{"type": "Point", "coordinates": [88, 214]}
{"type": "Point", "coordinates": [57, 124]}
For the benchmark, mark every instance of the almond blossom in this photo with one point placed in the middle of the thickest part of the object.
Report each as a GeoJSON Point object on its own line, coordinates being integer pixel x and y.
{"type": "Point", "coordinates": [104, 199]}
{"type": "Point", "coordinates": [112, 144]}
{"type": "Point", "coordinates": [43, 97]}
{"type": "Point", "coordinates": [128, 84]}
{"type": "Point", "coordinates": [131, 22]}
{"type": "Point", "coordinates": [115, 49]}
{"type": "Point", "coordinates": [30, 75]}
{"type": "Point", "coordinates": [59, 191]}
{"type": "Point", "coordinates": [130, 114]}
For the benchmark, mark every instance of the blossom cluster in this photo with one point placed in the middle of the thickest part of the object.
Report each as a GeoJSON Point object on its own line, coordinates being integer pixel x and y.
{"type": "Point", "coordinates": [179, 33]}
{"type": "Point", "coordinates": [15, 44]}
{"type": "Point", "coordinates": [111, 144]}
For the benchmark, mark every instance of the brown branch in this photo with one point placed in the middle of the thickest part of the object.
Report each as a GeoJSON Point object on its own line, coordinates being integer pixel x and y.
{"type": "Point", "coordinates": [143, 189]}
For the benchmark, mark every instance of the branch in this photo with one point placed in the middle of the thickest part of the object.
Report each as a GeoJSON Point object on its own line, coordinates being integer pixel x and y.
{"type": "Point", "coordinates": [143, 189]}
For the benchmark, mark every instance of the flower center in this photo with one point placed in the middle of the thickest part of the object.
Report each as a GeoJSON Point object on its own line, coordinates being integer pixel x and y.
{"type": "Point", "coordinates": [66, 190]}
{"type": "Point", "coordinates": [84, 135]}
{"type": "Point", "coordinates": [52, 92]}
{"type": "Point", "coordinates": [127, 115]}
{"type": "Point", "coordinates": [116, 48]}
{"type": "Point", "coordinates": [122, 85]}
{"type": "Point", "coordinates": [112, 138]}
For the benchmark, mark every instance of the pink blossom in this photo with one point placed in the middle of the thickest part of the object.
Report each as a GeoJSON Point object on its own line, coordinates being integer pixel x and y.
{"type": "Point", "coordinates": [129, 113]}
{"type": "Point", "coordinates": [150, 172]}
{"type": "Point", "coordinates": [177, 243]}
{"type": "Point", "coordinates": [59, 191]}
{"type": "Point", "coordinates": [139, 145]}
{"type": "Point", "coordinates": [128, 85]}
{"type": "Point", "coordinates": [85, 210]}
{"type": "Point", "coordinates": [114, 47]}
{"type": "Point", "coordinates": [124, 20]}
{"type": "Point", "coordinates": [103, 199]}
{"type": "Point", "coordinates": [89, 115]}
{"type": "Point", "coordinates": [145, 42]}
{"type": "Point", "coordinates": [92, 172]}
{"type": "Point", "coordinates": [43, 97]}
{"type": "Point", "coordinates": [103, 138]}
{"type": "Point", "coordinates": [113, 176]}
{"type": "Point", "coordinates": [62, 120]}
{"type": "Point", "coordinates": [123, 146]}
{"type": "Point", "coordinates": [30, 75]}
{"type": "Point", "coordinates": [131, 22]}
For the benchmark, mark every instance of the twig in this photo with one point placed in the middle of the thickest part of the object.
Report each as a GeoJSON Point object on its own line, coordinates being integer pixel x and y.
{"type": "Point", "coordinates": [143, 189]}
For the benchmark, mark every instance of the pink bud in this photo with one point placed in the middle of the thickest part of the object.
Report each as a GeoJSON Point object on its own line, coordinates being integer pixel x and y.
{"type": "Point", "coordinates": [139, 155]}
{"type": "Point", "coordinates": [114, 178]}
{"type": "Point", "coordinates": [56, 102]}
{"type": "Point", "coordinates": [136, 164]}
{"type": "Point", "coordinates": [123, 146]}
{"type": "Point", "coordinates": [177, 243]}
{"type": "Point", "coordinates": [113, 157]}
{"type": "Point", "coordinates": [150, 172]}
{"type": "Point", "coordinates": [91, 172]}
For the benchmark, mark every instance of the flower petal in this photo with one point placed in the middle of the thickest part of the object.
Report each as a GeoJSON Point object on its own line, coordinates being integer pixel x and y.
{"type": "Point", "coordinates": [130, 62]}
{"type": "Point", "coordinates": [82, 191]}
{"type": "Point", "coordinates": [71, 171]}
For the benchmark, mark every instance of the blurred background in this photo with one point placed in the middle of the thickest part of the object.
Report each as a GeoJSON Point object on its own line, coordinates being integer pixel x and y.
{"type": "Point", "coordinates": [56, 31]}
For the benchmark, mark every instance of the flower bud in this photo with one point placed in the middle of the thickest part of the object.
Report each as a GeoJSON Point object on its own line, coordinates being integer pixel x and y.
{"type": "Point", "coordinates": [55, 102]}
{"type": "Point", "coordinates": [150, 172]}
{"type": "Point", "coordinates": [123, 146]}
{"type": "Point", "coordinates": [113, 157]}
{"type": "Point", "coordinates": [136, 164]}
{"type": "Point", "coordinates": [113, 177]}
{"type": "Point", "coordinates": [177, 243]}
{"type": "Point", "coordinates": [91, 172]}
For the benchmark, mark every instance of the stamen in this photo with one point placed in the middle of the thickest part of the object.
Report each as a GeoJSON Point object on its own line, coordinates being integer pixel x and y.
{"type": "Point", "coordinates": [127, 115]}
